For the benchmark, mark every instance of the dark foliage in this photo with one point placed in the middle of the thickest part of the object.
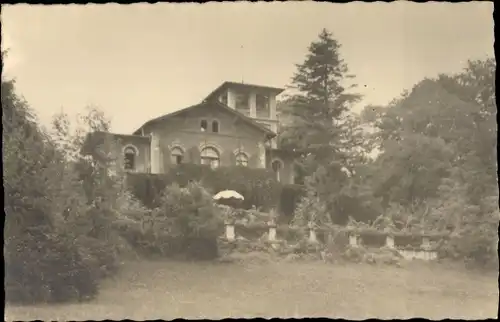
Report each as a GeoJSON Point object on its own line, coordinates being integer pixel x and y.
{"type": "Point", "coordinates": [256, 185]}
{"type": "Point", "coordinates": [290, 197]}
{"type": "Point", "coordinates": [47, 268]}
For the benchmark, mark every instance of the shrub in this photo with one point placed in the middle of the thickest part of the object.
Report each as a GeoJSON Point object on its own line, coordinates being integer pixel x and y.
{"type": "Point", "coordinates": [311, 210]}
{"type": "Point", "coordinates": [338, 241]}
{"type": "Point", "coordinates": [473, 228]}
{"type": "Point", "coordinates": [476, 244]}
{"type": "Point", "coordinates": [46, 267]}
{"type": "Point", "coordinates": [102, 255]}
{"type": "Point", "coordinates": [188, 218]}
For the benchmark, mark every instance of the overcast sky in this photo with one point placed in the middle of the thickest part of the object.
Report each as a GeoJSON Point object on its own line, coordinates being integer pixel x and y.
{"type": "Point", "coordinates": [140, 61]}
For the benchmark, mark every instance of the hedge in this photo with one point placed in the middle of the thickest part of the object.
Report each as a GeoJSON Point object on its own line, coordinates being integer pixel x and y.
{"type": "Point", "coordinates": [258, 186]}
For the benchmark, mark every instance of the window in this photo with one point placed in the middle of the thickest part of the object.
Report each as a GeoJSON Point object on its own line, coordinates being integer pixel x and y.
{"type": "Point", "coordinates": [204, 125]}
{"type": "Point", "coordinates": [262, 106]}
{"type": "Point", "coordinates": [176, 155]}
{"type": "Point", "coordinates": [223, 98]}
{"type": "Point", "coordinates": [277, 166]}
{"type": "Point", "coordinates": [242, 103]}
{"type": "Point", "coordinates": [210, 156]}
{"type": "Point", "coordinates": [215, 126]}
{"type": "Point", "coordinates": [241, 159]}
{"type": "Point", "coordinates": [129, 154]}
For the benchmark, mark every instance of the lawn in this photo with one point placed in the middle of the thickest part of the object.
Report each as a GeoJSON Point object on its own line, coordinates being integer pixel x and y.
{"type": "Point", "coordinates": [167, 290]}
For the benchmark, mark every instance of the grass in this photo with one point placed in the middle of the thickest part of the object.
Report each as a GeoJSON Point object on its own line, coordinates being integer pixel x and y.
{"type": "Point", "coordinates": [167, 290]}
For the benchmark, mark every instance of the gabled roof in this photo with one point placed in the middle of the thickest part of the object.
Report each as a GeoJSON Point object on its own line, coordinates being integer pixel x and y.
{"type": "Point", "coordinates": [246, 119]}
{"type": "Point", "coordinates": [225, 85]}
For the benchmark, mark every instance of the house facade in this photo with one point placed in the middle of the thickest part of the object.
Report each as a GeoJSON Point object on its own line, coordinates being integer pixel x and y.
{"type": "Point", "coordinates": [235, 125]}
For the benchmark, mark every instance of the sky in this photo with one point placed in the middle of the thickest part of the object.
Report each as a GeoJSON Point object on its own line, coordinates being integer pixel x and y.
{"type": "Point", "coordinates": [137, 62]}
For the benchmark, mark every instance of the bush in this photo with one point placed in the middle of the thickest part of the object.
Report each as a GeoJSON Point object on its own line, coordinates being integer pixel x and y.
{"type": "Point", "coordinates": [47, 268]}
{"type": "Point", "coordinates": [311, 210]}
{"type": "Point", "coordinates": [186, 222]}
{"type": "Point", "coordinates": [103, 255]}
{"type": "Point", "coordinates": [338, 242]}
{"type": "Point", "coordinates": [476, 244]}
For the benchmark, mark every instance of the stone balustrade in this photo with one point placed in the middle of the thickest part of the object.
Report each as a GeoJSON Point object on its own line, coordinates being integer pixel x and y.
{"type": "Point", "coordinates": [422, 252]}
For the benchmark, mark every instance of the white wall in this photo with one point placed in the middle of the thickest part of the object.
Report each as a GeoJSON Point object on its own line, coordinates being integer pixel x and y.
{"type": "Point", "coordinates": [155, 153]}
{"type": "Point", "coordinates": [231, 98]}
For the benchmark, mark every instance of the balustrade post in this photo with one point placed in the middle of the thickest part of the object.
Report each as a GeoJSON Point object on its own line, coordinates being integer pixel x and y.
{"type": "Point", "coordinates": [389, 241]}
{"type": "Point", "coordinates": [272, 231]}
{"type": "Point", "coordinates": [353, 239]}
{"type": "Point", "coordinates": [426, 245]}
{"type": "Point", "coordinates": [230, 231]}
{"type": "Point", "coordinates": [312, 233]}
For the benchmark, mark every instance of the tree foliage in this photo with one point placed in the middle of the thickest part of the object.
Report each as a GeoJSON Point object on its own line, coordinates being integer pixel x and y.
{"type": "Point", "coordinates": [39, 251]}
{"type": "Point", "coordinates": [319, 101]}
{"type": "Point", "coordinates": [61, 207]}
{"type": "Point", "coordinates": [320, 125]}
{"type": "Point", "coordinates": [438, 153]}
{"type": "Point", "coordinates": [441, 124]}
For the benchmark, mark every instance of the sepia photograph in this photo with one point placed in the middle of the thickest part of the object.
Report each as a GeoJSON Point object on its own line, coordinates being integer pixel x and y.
{"type": "Point", "coordinates": [215, 160]}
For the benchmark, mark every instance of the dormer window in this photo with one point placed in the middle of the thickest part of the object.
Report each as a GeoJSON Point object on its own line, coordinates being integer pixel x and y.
{"type": "Point", "coordinates": [204, 125]}
{"type": "Point", "coordinates": [215, 126]}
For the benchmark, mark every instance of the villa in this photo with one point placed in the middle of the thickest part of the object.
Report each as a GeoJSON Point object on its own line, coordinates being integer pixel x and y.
{"type": "Point", "coordinates": [235, 125]}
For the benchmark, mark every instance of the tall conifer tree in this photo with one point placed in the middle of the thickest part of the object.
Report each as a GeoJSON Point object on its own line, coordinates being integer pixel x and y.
{"type": "Point", "coordinates": [320, 125]}
{"type": "Point", "coordinates": [320, 102]}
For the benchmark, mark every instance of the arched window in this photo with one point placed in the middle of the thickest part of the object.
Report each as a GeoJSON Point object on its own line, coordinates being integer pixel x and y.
{"type": "Point", "coordinates": [276, 165]}
{"type": "Point", "coordinates": [242, 159]}
{"type": "Point", "coordinates": [210, 156]}
{"type": "Point", "coordinates": [176, 155]}
{"type": "Point", "coordinates": [215, 126]}
{"type": "Point", "coordinates": [204, 125]}
{"type": "Point", "coordinates": [129, 154]}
